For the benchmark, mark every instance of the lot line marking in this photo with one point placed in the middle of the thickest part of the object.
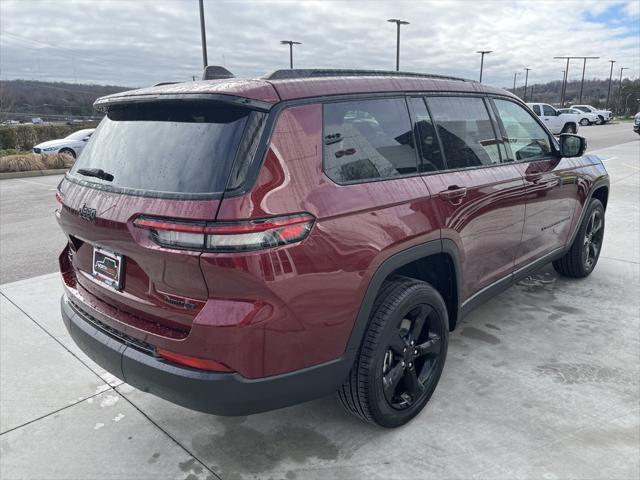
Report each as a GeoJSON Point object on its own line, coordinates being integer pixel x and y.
{"type": "Point", "coordinates": [204, 465]}
{"type": "Point", "coordinates": [175, 440]}
{"type": "Point", "coordinates": [631, 166]}
{"type": "Point", "coordinates": [50, 413]}
{"type": "Point", "coordinates": [44, 185]}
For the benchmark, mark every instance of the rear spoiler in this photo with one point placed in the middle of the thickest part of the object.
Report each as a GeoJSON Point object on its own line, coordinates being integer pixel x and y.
{"type": "Point", "coordinates": [103, 104]}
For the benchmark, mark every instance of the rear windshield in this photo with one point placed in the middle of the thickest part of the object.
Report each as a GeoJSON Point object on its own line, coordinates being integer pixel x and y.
{"type": "Point", "coordinates": [166, 147]}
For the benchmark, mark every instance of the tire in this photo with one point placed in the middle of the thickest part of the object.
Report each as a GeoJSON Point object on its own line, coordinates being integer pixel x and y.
{"type": "Point", "coordinates": [584, 122]}
{"type": "Point", "coordinates": [68, 151]}
{"type": "Point", "coordinates": [389, 383]}
{"type": "Point", "coordinates": [600, 120]}
{"type": "Point", "coordinates": [584, 252]}
{"type": "Point", "coordinates": [569, 128]}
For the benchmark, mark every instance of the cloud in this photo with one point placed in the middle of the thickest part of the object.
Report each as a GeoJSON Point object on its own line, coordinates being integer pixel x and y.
{"type": "Point", "coordinates": [144, 42]}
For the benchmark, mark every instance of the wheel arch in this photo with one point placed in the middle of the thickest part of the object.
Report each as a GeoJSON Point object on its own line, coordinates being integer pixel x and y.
{"type": "Point", "coordinates": [602, 194]}
{"type": "Point", "coordinates": [68, 149]}
{"type": "Point", "coordinates": [436, 262]}
{"type": "Point", "coordinates": [599, 190]}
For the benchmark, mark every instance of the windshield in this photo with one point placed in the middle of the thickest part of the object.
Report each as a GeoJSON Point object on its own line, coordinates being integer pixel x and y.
{"type": "Point", "coordinates": [79, 135]}
{"type": "Point", "coordinates": [169, 147]}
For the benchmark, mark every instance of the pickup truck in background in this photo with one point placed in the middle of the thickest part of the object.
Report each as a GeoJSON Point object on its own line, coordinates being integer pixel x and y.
{"type": "Point", "coordinates": [604, 116]}
{"type": "Point", "coordinates": [556, 121]}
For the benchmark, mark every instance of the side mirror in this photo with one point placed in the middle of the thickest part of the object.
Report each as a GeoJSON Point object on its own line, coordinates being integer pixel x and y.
{"type": "Point", "coordinates": [572, 145]}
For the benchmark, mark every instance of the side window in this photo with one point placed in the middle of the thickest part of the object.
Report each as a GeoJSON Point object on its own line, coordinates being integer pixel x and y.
{"type": "Point", "coordinates": [548, 111]}
{"type": "Point", "coordinates": [465, 130]}
{"type": "Point", "coordinates": [536, 110]}
{"type": "Point", "coordinates": [525, 136]}
{"type": "Point", "coordinates": [425, 134]}
{"type": "Point", "coordinates": [368, 140]}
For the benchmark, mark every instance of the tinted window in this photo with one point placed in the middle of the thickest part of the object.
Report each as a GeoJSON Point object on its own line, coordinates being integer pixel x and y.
{"type": "Point", "coordinates": [425, 134]}
{"type": "Point", "coordinates": [170, 147]}
{"type": "Point", "coordinates": [536, 110]}
{"type": "Point", "coordinates": [366, 140]}
{"type": "Point", "coordinates": [584, 109]}
{"type": "Point", "coordinates": [526, 138]}
{"type": "Point", "coordinates": [465, 130]}
{"type": "Point", "coordinates": [548, 111]}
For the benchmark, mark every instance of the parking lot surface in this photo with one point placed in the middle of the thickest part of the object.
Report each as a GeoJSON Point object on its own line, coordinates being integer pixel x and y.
{"type": "Point", "coordinates": [542, 381]}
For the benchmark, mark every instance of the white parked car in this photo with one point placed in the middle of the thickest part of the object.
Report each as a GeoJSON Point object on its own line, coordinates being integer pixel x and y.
{"type": "Point", "coordinates": [636, 123]}
{"type": "Point", "coordinates": [604, 116]}
{"type": "Point", "coordinates": [554, 120]}
{"type": "Point", "coordinates": [584, 118]}
{"type": "Point", "coordinates": [71, 145]}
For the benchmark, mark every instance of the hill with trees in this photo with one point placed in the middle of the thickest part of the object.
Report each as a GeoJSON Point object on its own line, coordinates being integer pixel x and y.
{"type": "Point", "coordinates": [25, 99]}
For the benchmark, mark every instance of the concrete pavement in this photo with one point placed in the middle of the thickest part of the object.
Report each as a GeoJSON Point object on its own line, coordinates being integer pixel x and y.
{"type": "Point", "coordinates": [543, 381]}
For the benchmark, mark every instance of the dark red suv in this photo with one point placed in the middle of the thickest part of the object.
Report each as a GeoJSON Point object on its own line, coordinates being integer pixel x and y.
{"type": "Point", "coordinates": [237, 246]}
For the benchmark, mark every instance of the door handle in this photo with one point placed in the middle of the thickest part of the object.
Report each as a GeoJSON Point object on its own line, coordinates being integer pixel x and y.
{"type": "Point", "coordinates": [454, 192]}
{"type": "Point", "coordinates": [533, 177]}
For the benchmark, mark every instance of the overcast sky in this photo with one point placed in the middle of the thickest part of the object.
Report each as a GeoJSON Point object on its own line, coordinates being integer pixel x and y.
{"type": "Point", "coordinates": [137, 43]}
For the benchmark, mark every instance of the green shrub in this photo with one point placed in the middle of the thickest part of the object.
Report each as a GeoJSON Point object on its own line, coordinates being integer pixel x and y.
{"type": "Point", "coordinates": [8, 138]}
{"type": "Point", "coordinates": [13, 151]}
{"type": "Point", "coordinates": [24, 137]}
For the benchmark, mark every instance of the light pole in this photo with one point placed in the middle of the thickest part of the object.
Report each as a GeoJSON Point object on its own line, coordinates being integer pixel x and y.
{"type": "Point", "coordinates": [398, 22]}
{"type": "Point", "coordinates": [622, 69]}
{"type": "Point", "coordinates": [561, 87]}
{"type": "Point", "coordinates": [291, 43]}
{"type": "Point", "coordinates": [482, 54]}
{"type": "Point", "coordinates": [526, 80]}
{"type": "Point", "coordinates": [203, 35]}
{"type": "Point", "coordinates": [606, 105]}
{"type": "Point", "coordinates": [584, 67]}
{"type": "Point", "coordinates": [515, 74]}
{"type": "Point", "coordinates": [626, 100]}
{"type": "Point", "coordinates": [564, 80]}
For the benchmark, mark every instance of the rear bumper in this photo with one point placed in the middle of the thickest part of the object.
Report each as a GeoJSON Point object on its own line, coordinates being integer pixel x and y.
{"type": "Point", "coordinates": [217, 393]}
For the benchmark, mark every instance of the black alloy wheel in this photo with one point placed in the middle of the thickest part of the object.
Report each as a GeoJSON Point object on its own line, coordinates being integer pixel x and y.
{"type": "Point", "coordinates": [411, 358]}
{"type": "Point", "coordinates": [593, 236]}
{"type": "Point", "coordinates": [402, 354]}
{"type": "Point", "coordinates": [582, 256]}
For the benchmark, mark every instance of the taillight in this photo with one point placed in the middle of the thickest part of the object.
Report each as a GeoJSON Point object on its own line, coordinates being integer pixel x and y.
{"type": "Point", "coordinates": [59, 197]}
{"type": "Point", "coordinates": [193, 362]}
{"type": "Point", "coordinates": [238, 236]}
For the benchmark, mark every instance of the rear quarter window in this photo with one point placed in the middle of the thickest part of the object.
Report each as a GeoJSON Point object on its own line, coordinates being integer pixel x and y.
{"type": "Point", "coordinates": [368, 140]}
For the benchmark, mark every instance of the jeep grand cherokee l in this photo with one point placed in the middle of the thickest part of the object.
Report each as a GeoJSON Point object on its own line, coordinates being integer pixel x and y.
{"type": "Point", "coordinates": [236, 246]}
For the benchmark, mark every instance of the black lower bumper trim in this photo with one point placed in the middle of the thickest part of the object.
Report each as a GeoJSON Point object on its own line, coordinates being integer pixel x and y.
{"type": "Point", "coordinates": [217, 393]}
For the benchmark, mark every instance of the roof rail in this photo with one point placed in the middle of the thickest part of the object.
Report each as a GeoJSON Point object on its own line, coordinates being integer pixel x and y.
{"type": "Point", "coordinates": [214, 72]}
{"type": "Point", "coordinates": [291, 74]}
{"type": "Point", "coordinates": [165, 83]}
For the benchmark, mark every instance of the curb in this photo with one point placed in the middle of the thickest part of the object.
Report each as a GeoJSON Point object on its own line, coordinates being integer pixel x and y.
{"type": "Point", "coordinates": [32, 173]}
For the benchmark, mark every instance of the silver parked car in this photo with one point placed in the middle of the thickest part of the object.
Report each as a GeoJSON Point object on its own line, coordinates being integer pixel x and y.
{"type": "Point", "coordinates": [604, 116]}
{"type": "Point", "coordinates": [585, 118]}
{"type": "Point", "coordinates": [71, 145]}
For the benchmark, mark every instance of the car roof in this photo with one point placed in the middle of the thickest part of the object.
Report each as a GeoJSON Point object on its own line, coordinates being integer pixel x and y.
{"type": "Point", "coordinates": [273, 91]}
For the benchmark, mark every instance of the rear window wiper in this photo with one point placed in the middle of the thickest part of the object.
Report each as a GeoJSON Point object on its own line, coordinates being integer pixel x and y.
{"type": "Point", "coordinates": [95, 172]}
